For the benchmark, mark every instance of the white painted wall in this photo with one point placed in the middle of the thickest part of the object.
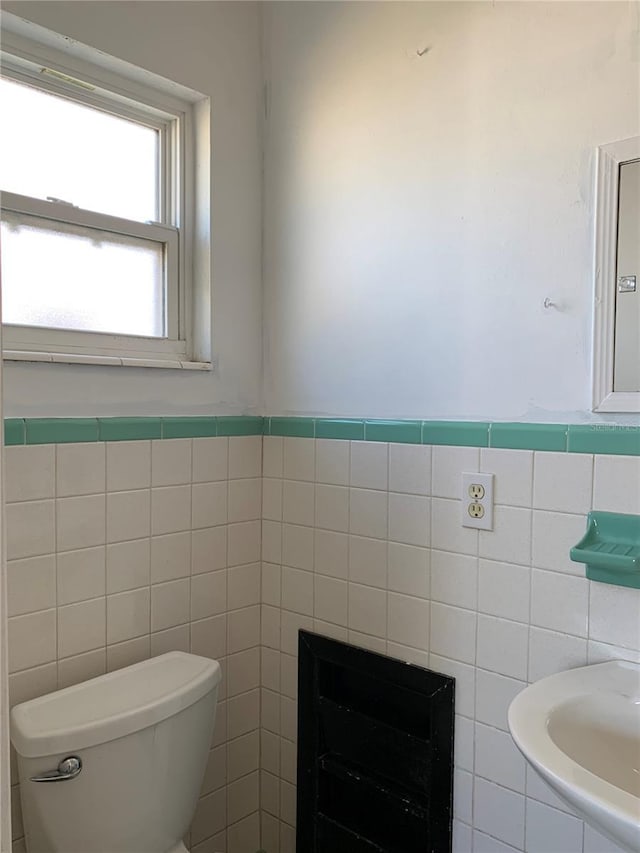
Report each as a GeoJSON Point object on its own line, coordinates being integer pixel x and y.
{"type": "Point", "coordinates": [420, 209]}
{"type": "Point", "coordinates": [215, 49]}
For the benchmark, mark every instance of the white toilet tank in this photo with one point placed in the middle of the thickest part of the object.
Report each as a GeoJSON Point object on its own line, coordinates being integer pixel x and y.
{"type": "Point", "coordinates": [142, 735]}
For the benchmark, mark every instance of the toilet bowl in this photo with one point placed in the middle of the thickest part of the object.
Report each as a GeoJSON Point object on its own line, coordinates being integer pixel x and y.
{"type": "Point", "coordinates": [115, 764]}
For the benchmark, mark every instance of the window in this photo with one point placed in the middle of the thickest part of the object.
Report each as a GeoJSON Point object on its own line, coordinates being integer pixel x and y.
{"type": "Point", "coordinates": [99, 211]}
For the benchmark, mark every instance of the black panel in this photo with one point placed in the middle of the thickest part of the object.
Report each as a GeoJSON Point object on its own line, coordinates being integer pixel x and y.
{"type": "Point", "coordinates": [375, 752]}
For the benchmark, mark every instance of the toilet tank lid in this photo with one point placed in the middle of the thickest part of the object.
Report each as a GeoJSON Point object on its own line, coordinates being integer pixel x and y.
{"type": "Point", "coordinates": [113, 705]}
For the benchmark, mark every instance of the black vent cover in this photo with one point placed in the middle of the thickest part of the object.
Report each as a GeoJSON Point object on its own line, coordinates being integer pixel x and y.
{"type": "Point", "coordinates": [375, 752]}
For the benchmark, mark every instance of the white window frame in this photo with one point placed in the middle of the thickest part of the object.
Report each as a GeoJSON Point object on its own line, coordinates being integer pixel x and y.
{"type": "Point", "coordinates": [182, 118]}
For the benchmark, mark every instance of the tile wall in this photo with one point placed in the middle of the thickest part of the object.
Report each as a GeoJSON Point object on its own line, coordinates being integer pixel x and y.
{"type": "Point", "coordinates": [362, 541]}
{"type": "Point", "coordinates": [120, 550]}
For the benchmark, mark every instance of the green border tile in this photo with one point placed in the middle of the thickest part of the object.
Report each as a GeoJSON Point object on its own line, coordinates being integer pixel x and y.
{"type": "Point", "coordinates": [129, 429]}
{"type": "Point", "coordinates": [400, 432]}
{"type": "Point", "coordinates": [189, 427]}
{"type": "Point", "coordinates": [604, 438]}
{"type": "Point", "coordinates": [456, 433]}
{"type": "Point", "coordinates": [517, 436]}
{"type": "Point", "coordinates": [14, 431]}
{"type": "Point", "coordinates": [293, 427]}
{"type": "Point", "coordinates": [349, 430]}
{"type": "Point", "coordinates": [239, 425]}
{"type": "Point", "coordinates": [60, 430]}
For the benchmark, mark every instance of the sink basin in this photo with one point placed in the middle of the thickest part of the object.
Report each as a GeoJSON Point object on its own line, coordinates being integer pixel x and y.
{"type": "Point", "coordinates": [580, 730]}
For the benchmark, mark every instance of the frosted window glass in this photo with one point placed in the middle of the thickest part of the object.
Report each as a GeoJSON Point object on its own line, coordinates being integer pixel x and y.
{"type": "Point", "coordinates": [51, 146]}
{"type": "Point", "coordinates": [71, 277]}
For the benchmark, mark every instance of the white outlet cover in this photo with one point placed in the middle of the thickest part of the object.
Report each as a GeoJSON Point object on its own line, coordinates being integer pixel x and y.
{"type": "Point", "coordinates": [486, 481]}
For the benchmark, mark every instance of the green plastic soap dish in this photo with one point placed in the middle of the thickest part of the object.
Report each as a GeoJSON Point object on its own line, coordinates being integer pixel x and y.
{"type": "Point", "coordinates": [611, 548]}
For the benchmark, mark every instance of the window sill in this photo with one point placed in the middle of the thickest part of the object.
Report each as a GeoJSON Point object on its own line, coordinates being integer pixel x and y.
{"type": "Point", "coordinates": [108, 360]}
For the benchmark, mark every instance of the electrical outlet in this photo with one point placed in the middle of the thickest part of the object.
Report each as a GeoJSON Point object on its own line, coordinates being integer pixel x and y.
{"type": "Point", "coordinates": [477, 501]}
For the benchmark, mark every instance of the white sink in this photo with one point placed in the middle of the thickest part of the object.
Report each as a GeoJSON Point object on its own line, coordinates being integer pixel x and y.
{"type": "Point", "coordinates": [580, 730]}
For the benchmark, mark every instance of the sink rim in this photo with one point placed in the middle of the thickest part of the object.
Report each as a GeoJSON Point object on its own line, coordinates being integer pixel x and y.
{"type": "Point", "coordinates": [609, 807]}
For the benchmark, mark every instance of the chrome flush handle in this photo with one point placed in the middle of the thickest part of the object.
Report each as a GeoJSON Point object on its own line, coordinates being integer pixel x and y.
{"type": "Point", "coordinates": [68, 768]}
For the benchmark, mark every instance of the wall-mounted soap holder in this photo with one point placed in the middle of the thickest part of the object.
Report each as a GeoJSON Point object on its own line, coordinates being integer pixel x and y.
{"type": "Point", "coordinates": [611, 549]}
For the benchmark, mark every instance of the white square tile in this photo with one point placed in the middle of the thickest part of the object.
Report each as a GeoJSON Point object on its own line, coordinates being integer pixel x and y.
{"type": "Point", "coordinates": [560, 602]}
{"type": "Point", "coordinates": [601, 652]}
{"type": "Point", "coordinates": [80, 469]}
{"type": "Point", "coordinates": [297, 546]}
{"type": "Point", "coordinates": [271, 541]}
{"type": "Point", "coordinates": [332, 461]}
{"type": "Point", "coordinates": [289, 687]}
{"type": "Point", "coordinates": [270, 628]}
{"type": "Point", "coordinates": [209, 638]}
{"type": "Point", "coordinates": [127, 565]}
{"type": "Point", "coordinates": [244, 755]}
{"type": "Point", "coordinates": [510, 539]}
{"type": "Point", "coordinates": [410, 469]}
{"type": "Point", "coordinates": [290, 625]}
{"type": "Point", "coordinates": [81, 627]}
{"type": "Point", "coordinates": [80, 575]}
{"type": "Point", "coordinates": [31, 585]}
{"type": "Point", "coordinates": [210, 459]}
{"type": "Point", "coordinates": [504, 590]}
{"type": "Point", "coordinates": [614, 615]}
{"type": "Point", "coordinates": [80, 522]}
{"type": "Point", "coordinates": [29, 472]}
{"type": "Point", "coordinates": [270, 671]}
{"type": "Point", "coordinates": [562, 481]}
{"type": "Point", "coordinates": [128, 515]}
{"type": "Point", "coordinates": [331, 553]}
{"type": "Point", "coordinates": [271, 584]}
{"type": "Point", "coordinates": [369, 464]}
{"type": "Point", "coordinates": [245, 500]}
{"type": "Point", "coordinates": [366, 641]}
{"type": "Point", "coordinates": [30, 683]}
{"type": "Point", "coordinates": [498, 759]}
{"type": "Point", "coordinates": [298, 502]}
{"type": "Point", "coordinates": [368, 561]}
{"type": "Point", "coordinates": [82, 667]}
{"type": "Point", "coordinates": [243, 629]}
{"type": "Point", "coordinates": [409, 519]}
{"type": "Point", "coordinates": [368, 513]}
{"type": "Point", "coordinates": [328, 629]}
{"type": "Point", "coordinates": [462, 837]}
{"type": "Point", "coordinates": [494, 695]}
{"type": "Point", "coordinates": [30, 529]}
{"type": "Point", "coordinates": [299, 459]}
{"type": "Point", "coordinates": [408, 569]}
{"type": "Point", "coordinates": [128, 465]}
{"type": "Point", "coordinates": [171, 509]}
{"type": "Point", "coordinates": [539, 790]}
{"type": "Point", "coordinates": [330, 600]}
{"type": "Point", "coordinates": [272, 455]}
{"type": "Point", "coordinates": [554, 534]}
{"type": "Point", "coordinates": [408, 620]}
{"type": "Point", "coordinates": [332, 508]}
{"type": "Point", "coordinates": [462, 795]}
{"type": "Point", "coordinates": [128, 652]}
{"type": "Point", "coordinates": [499, 812]}
{"type": "Point", "coordinates": [616, 484]}
{"type": "Point", "coordinates": [513, 480]}
{"type": "Point", "coordinates": [502, 646]}
{"type": "Point", "coordinates": [170, 557]}
{"type": "Point", "coordinates": [243, 586]}
{"type": "Point", "coordinates": [172, 640]}
{"type": "Point", "coordinates": [245, 456]}
{"type": "Point", "coordinates": [297, 590]}
{"type": "Point", "coordinates": [208, 549]}
{"type": "Point", "coordinates": [447, 467]}
{"type": "Point", "coordinates": [210, 816]}
{"type": "Point", "coordinates": [272, 499]}
{"type": "Point", "coordinates": [171, 462]}
{"type": "Point", "coordinates": [447, 533]}
{"type": "Point", "coordinates": [453, 633]}
{"type": "Point", "coordinates": [170, 604]}
{"type": "Point", "coordinates": [486, 844]}
{"type": "Point", "coordinates": [549, 830]}
{"type": "Point", "coordinates": [209, 504]}
{"type": "Point", "coordinates": [408, 654]}
{"type": "Point", "coordinates": [128, 615]}
{"type": "Point", "coordinates": [367, 610]}
{"type": "Point", "coordinates": [551, 652]}
{"type": "Point", "coordinates": [596, 843]}
{"type": "Point", "coordinates": [32, 640]}
{"type": "Point", "coordinates": [464, 744]}
{"type": "Point", "coordinates": [454, 579]}
{"type": "Point", "coordinates": [208, 594]}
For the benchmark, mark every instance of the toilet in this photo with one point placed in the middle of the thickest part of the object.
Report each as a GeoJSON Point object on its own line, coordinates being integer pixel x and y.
{"type": "Point", "coordinates": [115, 764]}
